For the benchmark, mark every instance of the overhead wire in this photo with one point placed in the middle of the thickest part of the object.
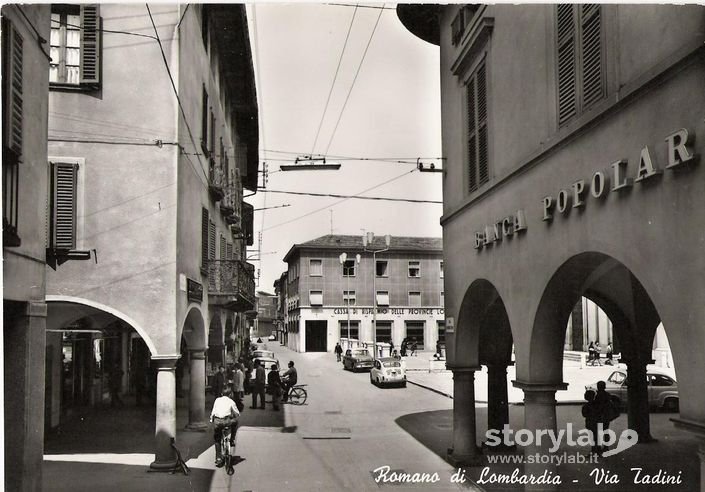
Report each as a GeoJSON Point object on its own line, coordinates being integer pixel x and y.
{"type": "Point", "coordinates": [335, 78]}
{"type": "Point", "coordinates": [347, 98]}
{"type": "Point", "coordinates": [342, 200]}
{"type": "Point", "coordinates": [176, 94]}
{"type": "Point", "coordinates": [333, 195]}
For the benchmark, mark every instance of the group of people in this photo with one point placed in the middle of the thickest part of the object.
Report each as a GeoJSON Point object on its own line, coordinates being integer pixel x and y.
{"type": "Point", "coordinates": [408, 346]}
{"type": "Point", "coordinates": [599, 408]}
{"type": "Point", "coordinates": [230, 388]}
{"type": "Point", "coordinates": [594, 351]}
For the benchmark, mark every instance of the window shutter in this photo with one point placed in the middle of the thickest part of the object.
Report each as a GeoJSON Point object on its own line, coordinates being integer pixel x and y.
{"type": "Point", "coordinates": [211, 240]}
{"type": "Point", "coordinates": [229, 251]}
{"type": "Point", "coordinates": [12, 87]}
{"type": "Point", "coordinates": [63, 206]}
{"type": "Point", "coordinates": [482, 158]}
{"type": "Point", "coordinates": [222, 247]}
{"type": "Point", "coordinates": [591, 41]}
{"type": "Point", "coordinates": [472, 136]}
{"type": "Point", "coordinates": [567, 107]}
{"type": "Point", "coordinates": [90, 44]}
{"type": "Point", "coordinates": [205, 220]}
{"type": "Point", "coordinates": [204, 120]}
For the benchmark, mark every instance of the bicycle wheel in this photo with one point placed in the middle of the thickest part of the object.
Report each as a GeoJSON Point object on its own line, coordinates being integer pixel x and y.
{"type": "Point", "coordinates": [297, 396]}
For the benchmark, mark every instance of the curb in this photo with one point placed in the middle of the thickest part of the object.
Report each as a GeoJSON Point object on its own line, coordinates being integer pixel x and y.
{"type": "Point", "coordinates": [430, 389]}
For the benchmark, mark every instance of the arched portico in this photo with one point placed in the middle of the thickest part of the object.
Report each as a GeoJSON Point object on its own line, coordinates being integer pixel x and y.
{"type": "Point", "coordinates": [195, 336]}
{"type": "Point", "coordinates": [483, 338]}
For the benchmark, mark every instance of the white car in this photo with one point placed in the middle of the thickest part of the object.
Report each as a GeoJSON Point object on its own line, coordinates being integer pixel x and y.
{"type": "Point", "coordinates": [388, 370]}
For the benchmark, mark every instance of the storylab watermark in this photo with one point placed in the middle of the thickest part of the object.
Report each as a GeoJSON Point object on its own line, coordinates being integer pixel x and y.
{"type": "Point", "coordinates": [603, 438]}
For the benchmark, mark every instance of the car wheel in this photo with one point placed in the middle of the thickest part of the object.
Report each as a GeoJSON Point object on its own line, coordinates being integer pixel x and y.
{"type": "Point", "coordinates": [403, 385]}
{"type": "Point", "coordinates": [671, 405]}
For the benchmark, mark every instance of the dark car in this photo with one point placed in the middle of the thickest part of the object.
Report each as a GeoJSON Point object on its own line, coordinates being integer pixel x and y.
{"type": "Point", "coordinates": [357, 358]}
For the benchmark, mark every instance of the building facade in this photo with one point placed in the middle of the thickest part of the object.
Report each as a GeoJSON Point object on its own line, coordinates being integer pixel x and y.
{"type": "Point", "coordinates": [25, 92]}
{"type": "Point", "coordinates": [265, 322]}
{"type": "Point", "coordinates": [153, 135]}
{"type": "Point", "coordinates": [572, 136]}
{"type": "Point", "coordinates": [329, 300]}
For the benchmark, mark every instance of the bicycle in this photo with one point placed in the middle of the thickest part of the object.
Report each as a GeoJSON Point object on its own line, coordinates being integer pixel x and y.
{"type": "Point", "coordinates": [227, 446]}
{"type": "Point", "coordinates": [297, 394]}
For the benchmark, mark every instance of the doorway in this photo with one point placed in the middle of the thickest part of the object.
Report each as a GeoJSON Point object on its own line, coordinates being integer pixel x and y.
{"type": "Point", "coordinates": [316, 336]}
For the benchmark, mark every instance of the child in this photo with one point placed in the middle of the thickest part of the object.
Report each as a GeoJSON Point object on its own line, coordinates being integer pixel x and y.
{"type": "Point", "coordinates": [590, 414]}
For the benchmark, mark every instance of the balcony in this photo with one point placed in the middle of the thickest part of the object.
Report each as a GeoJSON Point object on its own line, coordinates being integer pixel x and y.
{"type": "Point", "coordinates": [231, 284]}
{"type": "Point", "coordinates": [215, 180]}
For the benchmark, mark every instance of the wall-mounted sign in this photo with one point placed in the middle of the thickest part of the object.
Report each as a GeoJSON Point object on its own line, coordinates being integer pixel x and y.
{"type": "Point", "coordinates": [502, 229]}
{"type": "Point", "coordinates": [450, 325]}
{"type": "Point", "coordinates": [194, 290]}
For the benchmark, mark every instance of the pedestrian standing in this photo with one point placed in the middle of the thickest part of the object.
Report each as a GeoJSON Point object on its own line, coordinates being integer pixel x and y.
{"type": "Point", "coordinates": [403, 347]}
{"type": "Point", "coordinates": [597, 353]}
{"type": "Point", "coordinates": [591, 354]}
{"type": "Point", "coordinates": [219, 382]}
{"type": "Point", "coordinates": [391, 347]}
{"type": "Point", "coordinates": [238, 386]}
{"type": "Point", "coordinates": [414, 346]}
{"type": "Point", "coordinates": [590, 414]}
{"type": "Point", "coordinates": [338, 352]}
{"type": "Point", "coordinates": [439, 349]}
{"type": "Point", "coordinates": [259, 386]}
{"type": "Point", "coordinates": [608, 359]}
{"type": "Point", "coordinates": [274, 383]}
{"type": "Point", "coordinates": [606, 410]}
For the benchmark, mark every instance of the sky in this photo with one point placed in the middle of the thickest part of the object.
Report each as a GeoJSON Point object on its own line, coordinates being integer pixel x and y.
{"type": "Point", "coordinates": [392, 112]}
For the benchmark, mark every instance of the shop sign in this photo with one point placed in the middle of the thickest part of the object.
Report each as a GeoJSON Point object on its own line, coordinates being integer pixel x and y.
{"type": "Point", "coordinates": [502, 229]}
{"type": "Point", "coordinates": [393, 311]}
{"type": "Point", "coordinates": [194, 290]}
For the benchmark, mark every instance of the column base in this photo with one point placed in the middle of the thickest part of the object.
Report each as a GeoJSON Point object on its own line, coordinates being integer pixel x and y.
{"type": "Point", "coordinates": [647, 439]}
{"type": "Point", "coordinates": [162, 466]}
{"type": "Point", "coordinates": [197, 427]}
{"type": "Point", "coordinates": [459, 460]}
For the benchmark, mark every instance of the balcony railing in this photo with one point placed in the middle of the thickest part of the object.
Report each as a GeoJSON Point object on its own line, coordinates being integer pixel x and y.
{"type": "Point", "coordinates": [231, 284]}
{"type": "Point", "coordinates": [215, 180]}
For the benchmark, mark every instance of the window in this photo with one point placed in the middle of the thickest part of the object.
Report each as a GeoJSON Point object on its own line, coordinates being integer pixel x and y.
{"type": "Point", "coordinates": [315, 297]}
{"type": "Point", "coordinates": [414, 269]}
{"type": "Point", "coordinates": [211, 240]}
{"type": "Point", "coordinates": [382, 298]}
{"type": "Point", "coordinates": [580, 59]}
{"type": "Point", "coordinates": [354, 329]}
{"type": "Point", "coordinates": [441, 268]}
{"type": "Point", "coordinates": [443, 299]}
{"type": "Point", "coordinates": [205, 220]}
{"type": "Point", "coordinates": [415, 333]}
{"type": "Point", "coordinates": [62, 206]}
{"type": "Point", "coordinates": [75, 45]}
{"type": "Point", "coordinates": [441, 332]}
{"type": "Point", "coordinates": [461, 21]}
{"type": "Point", "coordinates": [349, 268]}
{"type": "Point", "coordinates": [384, 331]}
{"type": "Point", "coordinates": [660, 380]}
{"type": "Point", "coordinates": [222, 247]}
{"type": "Point", "coordinates": [381, 268]}
{"type": "Point", "coordinates": [204, 120]}
{"type": "Point", "coordinates": [12, 117]}
{"type": "Point", "coordinates": [315, 268]}
{"type": "Point", "coordinates": [476, 94]}
{"type": "Point", "coordinates": [414, 298]}
{"type": "Point", "coordinates": [229, 251]}
{"type": "Point", "coordinates": [349, 298]}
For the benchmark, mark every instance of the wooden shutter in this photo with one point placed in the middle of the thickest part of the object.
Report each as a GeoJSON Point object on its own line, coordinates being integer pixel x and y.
{"type": "Point", "coordinates": [63, 206]}
{"type": "Point", "coordinates": [592, 73]}
{"type": "Point", "coordinates": [90, 44]}
{"type": "Point", "coordinates": [229, 251]}
{"type": "Point", "coordinates": [211, 240]}
{"type": "Point", "coordinates": [204, 120]}
{"type": "Point", "coordinates": [567, 96]}
{"type": "Point", "coordinates": [205, 220]}
{"type": "Point", "coordinates": [482, 157]}
{"type": "Point", "coordinates": [222, 247]}
{"type": "Point", "coordinates": [13, 61]}
{"type": "Point", "coordinates": [472, 136]}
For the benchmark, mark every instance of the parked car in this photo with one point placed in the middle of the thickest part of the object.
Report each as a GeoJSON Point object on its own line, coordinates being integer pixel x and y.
{"type": "Point", "coordinates": [357, 358]}
{"type": "Point", "coordinates": [662, 388]}
{"type": "Point", "coordinates": [388, 370]}
{"type": "Point", "coordinates": [263, 353]}
{"type": "Point", "coordinates": [272, 337]}
{"type": "Point", "coordinates": [267, 363]}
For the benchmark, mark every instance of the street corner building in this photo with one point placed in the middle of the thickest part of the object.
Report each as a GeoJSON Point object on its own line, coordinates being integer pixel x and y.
{"type": "Point", "coordinates": [129, 135]}
{"type": "Point", "coordinates": [573, 137]}
{"type": "Point", "coordinates": [381, 297]}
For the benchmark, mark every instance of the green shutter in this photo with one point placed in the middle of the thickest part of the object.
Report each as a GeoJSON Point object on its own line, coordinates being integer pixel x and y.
{"type": "Point", "coordinates": [90, 44]}
{"type": "Point", "coordinates": [63, 206]}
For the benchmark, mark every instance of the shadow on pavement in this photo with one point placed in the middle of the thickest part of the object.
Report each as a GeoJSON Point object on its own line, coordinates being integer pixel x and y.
{"type": "Point", "coordinates": [673, 457]}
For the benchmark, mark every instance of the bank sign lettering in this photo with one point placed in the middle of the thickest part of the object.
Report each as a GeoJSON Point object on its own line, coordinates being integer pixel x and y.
{"type": "Point", "coordinates": [600, 184]}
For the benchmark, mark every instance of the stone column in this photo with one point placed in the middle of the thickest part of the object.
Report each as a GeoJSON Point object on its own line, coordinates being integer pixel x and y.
{"type": "Point", "coordinates": [197, 391]}
{"type": "Point", "coordinates": [539, 415]}
{"type": "Point", "coordinates": [165, 428]}
{"type": "Point", "coordinates": [497, 399]}
{"type": "Point", "coordinates": [24, 338]}
{"type": "Point", "coordinates": [638, 400]}
{"type": "Point", "coordinates": [464, 450]}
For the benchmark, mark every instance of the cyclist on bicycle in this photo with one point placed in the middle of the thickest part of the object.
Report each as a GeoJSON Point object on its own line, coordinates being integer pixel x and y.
{"type": "Point", "coordinates": [224, 414]}
{"type": "Point", "coordinates": [289, 379]}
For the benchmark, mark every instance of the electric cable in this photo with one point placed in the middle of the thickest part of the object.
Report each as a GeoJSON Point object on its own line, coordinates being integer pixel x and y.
{"type": "Point", "coordinates": [347, 98]}
{"type": "Point", "coordinates": [341, 201]}
{"type": "Point", "coordinates": [182, 15]}
{"type": "Point", "coordinates": [335, 77]}
{"type": "Point", "coordinates": [333, 195]}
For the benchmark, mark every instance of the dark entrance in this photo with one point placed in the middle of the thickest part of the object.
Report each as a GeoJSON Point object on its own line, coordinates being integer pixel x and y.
{"type": "Point", "coordinates": [316, 336]}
